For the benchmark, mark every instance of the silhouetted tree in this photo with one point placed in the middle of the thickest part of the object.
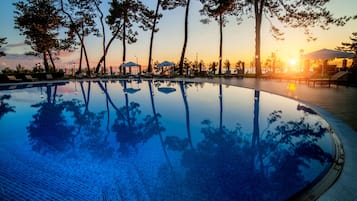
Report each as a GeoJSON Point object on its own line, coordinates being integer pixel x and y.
{"type": "Point", "coordinates": [273, 62]}
{"type": "Point", "coordinates": [227, 65]}
{"type": "Point", "coordinates": [101, 20]}
{"type": "Point", "coordinates": [165, 4]}
{"type": "Point", "coordinates": [350, 47]}
{"type": "Point", "coordinates": [213, 66]}
{"type": "Point", "coordinates": [218, 9]}
{"type": "Point", "coordinates": [39, 21]}
{"type": "Point", "coordinates": [296, 14]}
{"type": "Point", "coordinates": [81, 15]}
{"type": "Point", "coordinates": [155, 19]}
{"type": "Point", "coordinates": [183, 52]}
{"type": "Point", "coordinates": [123, 15]}
{"type": "Point", "coordinates": [2, 42]}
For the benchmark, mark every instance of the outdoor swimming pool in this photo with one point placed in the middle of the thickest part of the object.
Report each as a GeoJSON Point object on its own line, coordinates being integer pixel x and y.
{"type": "Point", "coordinates": [158, 140]}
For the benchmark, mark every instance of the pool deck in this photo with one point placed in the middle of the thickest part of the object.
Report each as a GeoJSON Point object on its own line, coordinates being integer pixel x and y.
{"type": "Point", "coordinates": [336, 105]}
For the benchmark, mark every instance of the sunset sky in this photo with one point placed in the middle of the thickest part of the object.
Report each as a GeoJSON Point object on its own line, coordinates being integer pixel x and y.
{"type": "Point", "coordinates": [203, 41]}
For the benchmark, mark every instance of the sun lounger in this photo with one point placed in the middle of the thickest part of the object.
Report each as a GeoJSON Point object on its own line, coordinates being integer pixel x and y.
{"type": "Point", "coordinates": [336, 79]}
{"type": "Point", "coordinates": [12, 78]}
{"type": "Point", "coordinates": [49, 77]}
{"type": "Point", "coordinates": [228, 74]}
{"type": "Point", "coordinates": [30, 78]}
{"type": "Point", "coordinates": [240, 73]}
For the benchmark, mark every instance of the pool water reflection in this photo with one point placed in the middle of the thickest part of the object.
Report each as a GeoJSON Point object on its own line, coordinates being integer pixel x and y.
{"type": "Point", "coordinates": [157, 140]}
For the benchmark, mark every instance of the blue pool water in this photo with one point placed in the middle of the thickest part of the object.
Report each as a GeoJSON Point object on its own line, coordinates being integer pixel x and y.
{"type": "Point", "coordinates": [157, 140]}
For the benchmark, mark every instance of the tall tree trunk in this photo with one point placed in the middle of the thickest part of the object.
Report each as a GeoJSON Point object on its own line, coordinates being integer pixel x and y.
{"type": "Point", "coordinates": [185, 40]}
{"type": "Point", "coordinates": [220, 43]}
{"type": "Point", "coordinates": [103, 42]}
{"type": "Point", "coordinates": [80, 60]}
{"type": "Point", "coordinates": [124, 39]}
{"type": "Point", "coordinates": [85, 51]}
{"type": "Point", "coordinates": [152, 35]}
{"type": "Point", "coordinates": [107, 49]}
{"type": "Point", "coordinates": [45, 63]}
{"type": "Point", "coordinates": [51, 59]}
{"type": "Point", "coordinates": [258, 11]}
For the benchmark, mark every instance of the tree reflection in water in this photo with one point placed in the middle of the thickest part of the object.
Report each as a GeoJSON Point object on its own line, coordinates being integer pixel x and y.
{"type": "Point", "coordinates": [128, 128]}
{"type": "Point", "coordinates": [49, 132]}
{"type": "Point", "coordinates": [5, 107]}
{"type": "Point", "coordinates": [220, 168]}
{"type": "Point", "coordinates": [226, 164]}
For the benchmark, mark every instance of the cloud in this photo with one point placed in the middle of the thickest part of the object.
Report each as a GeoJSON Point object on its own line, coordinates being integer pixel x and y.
{"type": "Point", "coordinates": [65, 54]}
{"type": "Point", "coordinates": [21, 57]}
{"type": "Point", "coordinates": [12, 60]}
{"type": "Point", "coordinates": [14, 45]}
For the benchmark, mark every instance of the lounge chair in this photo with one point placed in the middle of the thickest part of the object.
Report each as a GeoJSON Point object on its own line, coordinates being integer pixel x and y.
{"type": "Point", "coordinates": [336, 79]}
{"type": "Point", "coordinates": [49, 77]}
{"type": "Point", "coordinates": [12, 78]}
{"type": "Point", "coordinates": [30, 78]}
{"type": "Point", "coordinates": [240, 73]}
{"type": "Point", "coordinates": [228, 74]}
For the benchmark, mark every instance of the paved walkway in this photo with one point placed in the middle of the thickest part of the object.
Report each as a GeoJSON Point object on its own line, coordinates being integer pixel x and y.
{"type": "Point", "coordinates": [336, 105]}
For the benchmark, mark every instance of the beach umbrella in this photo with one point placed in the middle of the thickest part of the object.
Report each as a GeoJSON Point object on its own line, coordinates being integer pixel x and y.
{"type": "Point", "coordinates": [165, 64]}
{"type": "Point", "coordinates": [166, 90]}
{"type": "Point", "coordinates": [327, 54]}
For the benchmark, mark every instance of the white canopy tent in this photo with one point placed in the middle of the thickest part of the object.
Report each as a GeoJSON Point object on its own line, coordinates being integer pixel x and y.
{"type": "Point", "coordinates": [131, 64]}
{"type": "Point", "coordinates": [327, 54]}
{"type": "Point", "coordinates": [164, 64]}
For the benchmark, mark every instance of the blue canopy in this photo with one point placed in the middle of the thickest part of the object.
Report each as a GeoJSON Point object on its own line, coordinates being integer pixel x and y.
{"type": "Point", "coordinates": [165, 63]}
{"type": "Point", "coordinates": [129, 64]}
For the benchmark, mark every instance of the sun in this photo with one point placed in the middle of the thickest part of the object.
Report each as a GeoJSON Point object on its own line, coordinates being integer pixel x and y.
{"type": "Point", "coordinates": [293, 62]}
